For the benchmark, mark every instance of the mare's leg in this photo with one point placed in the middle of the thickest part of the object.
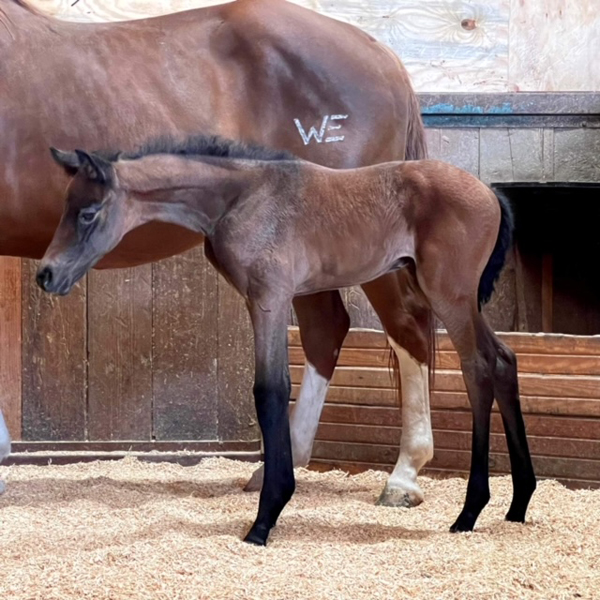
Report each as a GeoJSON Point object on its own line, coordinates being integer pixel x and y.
{"type": "Point", "coordinates": [4, 445]}
{"type": "Point", "coordinates": [272, 394]}
{"type": "Point", "coordinates": [323, 323]}
{"type": "Point", "coordinates": [406, 319]}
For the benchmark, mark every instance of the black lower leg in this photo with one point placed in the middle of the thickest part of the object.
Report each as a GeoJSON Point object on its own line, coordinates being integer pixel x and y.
{"type": "Point", "coordinates": [480, 390]}
{"type": "Point", "coordinates": [506, 389]}
{"type": "Point", "coordinates": [279, 484]}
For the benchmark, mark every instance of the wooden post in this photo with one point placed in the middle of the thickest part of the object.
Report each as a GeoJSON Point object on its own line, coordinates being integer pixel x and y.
{"type": "Point", "coordinates": [10, 344]}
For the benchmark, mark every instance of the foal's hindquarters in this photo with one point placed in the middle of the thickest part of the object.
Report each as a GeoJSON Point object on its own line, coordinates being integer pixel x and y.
{"type": "Point", "coordinates": [459, 253]}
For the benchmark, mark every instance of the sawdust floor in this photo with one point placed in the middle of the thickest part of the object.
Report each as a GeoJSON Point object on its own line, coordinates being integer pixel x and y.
{"type": "Point", "coordinates": [133, 530]}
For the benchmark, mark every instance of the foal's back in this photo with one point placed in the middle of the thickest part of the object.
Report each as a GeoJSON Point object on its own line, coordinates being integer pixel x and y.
{"type": "Point", "coordinates": [346, 227]}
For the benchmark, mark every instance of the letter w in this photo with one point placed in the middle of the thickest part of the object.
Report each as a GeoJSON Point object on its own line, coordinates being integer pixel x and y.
{"type": "Point", "coordinates": [312, 132]}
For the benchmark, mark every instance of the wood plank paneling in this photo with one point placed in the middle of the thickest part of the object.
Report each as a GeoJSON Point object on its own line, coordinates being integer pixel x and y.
{"type": "Point", "coordinates": [10, 352]}
{"type": "Point", "coordinates": [185, 313]}
{"type": "Point", "coordinates": [578, 386]}
{"type": "Point", "coordinates": [576, 154]}
{"type": "Point", "coordinates": [459, 147]}
{"type": "Point", "coordinates": [54, 373]}
{"type": "Point", "coordinates": [542, 405]}
{"type": "Point", "coordinates": [554, 45]}
{"type": "Point", "coordinates": [545, 466]}
{"type": "Point", "coordinates": [521, 343]}
{"type": "Point", "coordinates": [237, 415]}
{"type": "Point", "coordinates": [511, 155]}
{"type": "Point", "coordinates": [549, 364]}
{"type": "Point", "coordinates": [120, 354]}
{"type": "Point", "coordinates": [458, 440]}
{"type": "Point", "coordinates": [560, 397]}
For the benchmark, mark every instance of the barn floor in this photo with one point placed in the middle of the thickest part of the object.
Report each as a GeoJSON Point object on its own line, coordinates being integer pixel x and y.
{"type": "Point", "coordinates": [134, 530]}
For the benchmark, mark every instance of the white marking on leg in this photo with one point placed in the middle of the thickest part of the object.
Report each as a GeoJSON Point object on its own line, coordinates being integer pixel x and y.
{"type": "Point", "coordinates": [4, 446]}
{"type": "Point", "coordinates": [416, 444]}
{"type": "Point", "coordinates": [4, 439]}
{"type": "Point", "coordinates": [306, 413]}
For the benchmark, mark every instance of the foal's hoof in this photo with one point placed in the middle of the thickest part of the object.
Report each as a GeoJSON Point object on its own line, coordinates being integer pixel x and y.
{"type": "Point", "coordinates": [399, 497]}
{"type": "Point", "coordinates": [256, 481]}
{"type": "Point", "coordinates": [465, 522]}
{"type": "Point", "coordinates": [257, 536]}
{"type": "Point", "coordinates": [515, 515]}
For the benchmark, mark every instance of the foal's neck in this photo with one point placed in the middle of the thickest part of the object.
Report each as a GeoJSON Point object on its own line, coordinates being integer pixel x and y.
{"type": "Point", "coordinates": [193, 193]}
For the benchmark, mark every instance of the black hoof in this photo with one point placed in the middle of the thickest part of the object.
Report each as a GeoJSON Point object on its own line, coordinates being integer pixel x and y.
{"type": "Point", "coordinates": [257, 536]}
{"type": "Point", "coordinates": [515, 515]}
{"type": "Point", "coordinates": [465, 522]}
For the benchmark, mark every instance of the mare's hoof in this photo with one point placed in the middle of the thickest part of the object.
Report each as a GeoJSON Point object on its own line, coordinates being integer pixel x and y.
{"type": "Point", "coordinates": [255, 482]}
{"type": "Point", "coordinates": [2, 487]}
{"type": "Point", "coordinates": [257, 536]}
{"type": "Point", "coordinates": [399, 497]}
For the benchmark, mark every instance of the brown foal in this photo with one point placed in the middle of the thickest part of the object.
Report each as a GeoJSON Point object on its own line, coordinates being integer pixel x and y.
{"type": "Point", "coordinates": [277, 228]}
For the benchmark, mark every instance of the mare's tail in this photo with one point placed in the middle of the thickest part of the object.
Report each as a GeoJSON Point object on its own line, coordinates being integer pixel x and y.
{"type": "Point", "coordinates": [416, 146]}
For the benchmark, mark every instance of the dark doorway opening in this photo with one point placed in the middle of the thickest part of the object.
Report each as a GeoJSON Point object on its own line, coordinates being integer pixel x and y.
{"type": "Point", "coordinates": [554, 286]}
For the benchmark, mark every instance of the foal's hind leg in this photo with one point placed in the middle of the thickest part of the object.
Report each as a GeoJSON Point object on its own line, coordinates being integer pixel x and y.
{"type": "Point", "coordinates": [488, 368]}
{"type": "Point", "coordinates": [406, 320]}
{"type": "Point", "coordinates": [323, 323]}
{"type": "Point", "coordinates": [506, 389]}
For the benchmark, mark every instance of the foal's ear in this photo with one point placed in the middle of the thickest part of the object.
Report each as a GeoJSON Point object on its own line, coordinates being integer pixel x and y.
{"type": "Point", "coordinates": [69, 161]}
{"type": "Point", "coordinates": [94, 167]}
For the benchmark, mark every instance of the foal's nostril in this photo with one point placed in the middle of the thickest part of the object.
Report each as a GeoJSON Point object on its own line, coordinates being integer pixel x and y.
{"type": "Point", "coordinates": [44, 278]}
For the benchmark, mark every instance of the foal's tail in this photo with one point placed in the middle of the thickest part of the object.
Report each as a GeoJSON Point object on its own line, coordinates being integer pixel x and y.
{"type": "Point", "coordinates": [498, 257]}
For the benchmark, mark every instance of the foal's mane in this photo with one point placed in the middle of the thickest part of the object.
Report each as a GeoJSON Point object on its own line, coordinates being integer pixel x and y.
{"type": "Point", "coordinates": [202, 145]}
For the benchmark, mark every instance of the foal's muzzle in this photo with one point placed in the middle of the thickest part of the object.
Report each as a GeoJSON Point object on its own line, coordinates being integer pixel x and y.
{"type": "Point", "coordinates": [49, 281]}
{"type": "Point", "coordinates": [44, 278]}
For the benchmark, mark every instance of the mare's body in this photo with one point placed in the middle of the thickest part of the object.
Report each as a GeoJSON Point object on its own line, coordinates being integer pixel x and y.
{"type": "Point", "coordinates": [247, 70]}
{"type": "Point", "coordinates": [277, 229]}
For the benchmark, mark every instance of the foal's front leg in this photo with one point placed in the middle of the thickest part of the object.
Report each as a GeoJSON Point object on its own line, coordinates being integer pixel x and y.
{"type": "Point", "coordinates": [4, 445]}
{"type": "Point", "coordinates": [271, 396]}
{"type": "Point", "coordinates": [323, 323]}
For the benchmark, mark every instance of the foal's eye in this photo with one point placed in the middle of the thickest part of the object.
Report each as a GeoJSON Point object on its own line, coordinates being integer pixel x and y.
{"type": "Point", "coordinates": [87, 215]}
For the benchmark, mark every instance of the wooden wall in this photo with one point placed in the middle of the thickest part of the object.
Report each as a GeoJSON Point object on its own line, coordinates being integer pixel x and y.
{"type": "Point", "coordinates": [158, 353]}
{"type": "Point", "coordinates": [560, 392]}
{"type": "Point", "coordinates": [447, 45]}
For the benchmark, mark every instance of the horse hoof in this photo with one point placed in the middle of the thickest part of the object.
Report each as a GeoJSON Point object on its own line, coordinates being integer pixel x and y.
{"type": "Point", "coordinates": [400, 497]}
{"type": "Point", "coordinates": [515, 515]}
{"type": "Point", "coordinates": [257, 536]}
{"type": "Point", "coordinates": [256, 481]}
{"type": "Point", "coordinates": [464, 523]}
{"type": "Point", "coordinates": [2, 487]}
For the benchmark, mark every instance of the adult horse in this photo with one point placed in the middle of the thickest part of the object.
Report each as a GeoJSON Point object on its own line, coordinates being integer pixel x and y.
{"type": "Point", "coordinates": [265, 71]}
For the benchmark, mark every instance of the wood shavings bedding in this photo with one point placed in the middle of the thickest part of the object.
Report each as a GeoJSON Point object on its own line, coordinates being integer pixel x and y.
{"type": "Point", "coordinates": [136, 530]}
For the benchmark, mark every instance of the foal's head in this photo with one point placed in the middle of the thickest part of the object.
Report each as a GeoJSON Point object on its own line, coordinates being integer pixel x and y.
{"type": "Point", "coordinates": [98, 213]}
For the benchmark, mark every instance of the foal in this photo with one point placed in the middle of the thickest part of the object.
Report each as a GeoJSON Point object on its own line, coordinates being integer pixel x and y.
{"type": "Point", "coordinates": [281, 228]}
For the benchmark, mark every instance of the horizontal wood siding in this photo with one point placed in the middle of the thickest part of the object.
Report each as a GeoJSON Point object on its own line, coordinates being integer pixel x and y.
{"type": "Point", "coordinates": [560, 386]}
